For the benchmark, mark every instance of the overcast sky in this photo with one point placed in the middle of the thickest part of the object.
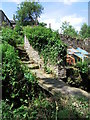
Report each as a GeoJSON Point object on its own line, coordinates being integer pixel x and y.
{"type": "Point", "coordinates": [55, 11]}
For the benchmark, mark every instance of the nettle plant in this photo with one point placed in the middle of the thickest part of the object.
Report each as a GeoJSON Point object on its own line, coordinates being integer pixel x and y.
{"type": "Point", "coordinates": [47, 43]}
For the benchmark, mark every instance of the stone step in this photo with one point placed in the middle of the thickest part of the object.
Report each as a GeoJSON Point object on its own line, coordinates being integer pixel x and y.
{"type": "Point", "coordinates": [21, 49]}
{"type": "Point", "coordinates": [55, 86]}
{"type": "Point", "coordinates": [23, 56]}
{"type": "Point", "coordinates": [24, 59]}
{"type": "Point", "coordinates": [24, 53]}
{"type": "Point", "coordinates": [32, 66]}
{"type": "Point", "coordinates": [28, 62]}
{"type": "Point", "coordinates": [41, 74]}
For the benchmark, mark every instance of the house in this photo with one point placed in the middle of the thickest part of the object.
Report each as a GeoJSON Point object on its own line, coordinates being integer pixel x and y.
{"type": "Point", "coordinates": [4, 19]}
{"type": "Point", "coordinates": [77, 54]}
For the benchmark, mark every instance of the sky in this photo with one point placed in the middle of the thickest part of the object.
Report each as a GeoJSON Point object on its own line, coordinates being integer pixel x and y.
{"type": "Point", "coordinates": [55, 12]}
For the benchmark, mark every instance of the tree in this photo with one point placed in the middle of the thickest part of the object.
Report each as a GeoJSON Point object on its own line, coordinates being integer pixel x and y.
{"type": "Point", "coordinates": [68, 29]}
{"type": "Point", "coordinates": [84, 31]}
{"type": "Point", "coordinates": [28, 12]}
{"type": "Point", "coordinates": [43, 24]}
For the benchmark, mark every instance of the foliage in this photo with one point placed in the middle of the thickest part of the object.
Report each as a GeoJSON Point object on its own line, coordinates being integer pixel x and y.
{"type": "Point", "coordinates": [22, 97]}
{"type": "Point", "coordinates": [85, 31]}
{"type": "Point", "coordinates": [6, 111]}
{"type": "Point", "coordinates": [47, 70]}
{"type": "Point", "coordinates": [80, 105]}
{"type": "Point", "coordinates": [43, 24]}
{"type": "Point", "coordinates": [10, 69]}
{"type": "Point", "coordinates": [47, 42]}
{"type": "Point", "coordinates": [42, 108]}
{"type": "Point", "coordinates": [83, 67]}
{"type": "Point", "coordinates": [13, 37]}
{"type": "Point", "coordinates": [9, 36]}
{"type": "Point", "coordinates": [68, 29]}
{"type": "Point", "coordinates": [28, 12]}
{"type": "Point", "coordinates": [39, 108]}
{"type": "Point", "coordinates": [78, 76]}
{"type": "Point", "coordinates": [73, 77]}
{"type": "Point", "coordinates": [16, 83]}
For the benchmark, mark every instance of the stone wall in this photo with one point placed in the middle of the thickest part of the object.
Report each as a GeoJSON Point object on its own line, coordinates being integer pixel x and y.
{"type": "Point", "coordinates": [74, 42]}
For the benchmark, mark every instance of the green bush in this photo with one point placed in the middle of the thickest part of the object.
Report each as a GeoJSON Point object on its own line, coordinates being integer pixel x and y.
{"type": "Point", "coordinates": [16, 81]}
{"type": "Point", "coordinates": [47, 42]}
{"type": "Point", "coordinates": [78, 76]}
{"type": "Point", "coordinates": [10, 69]}
{"type": "Point", "coordinates": [8, 36]}
{"type": "Point", "coordinates": [39, 108]}
{"type": "Point", "coordinates": [7, 114]}
{"type": "Point", "coordinates": [12, 36]}
{"type": "Point", "coordinates": [83, 67]}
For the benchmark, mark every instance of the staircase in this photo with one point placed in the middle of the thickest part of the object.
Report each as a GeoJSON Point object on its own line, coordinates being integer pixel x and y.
{"type": "Point", "coordinates": [31, 59]}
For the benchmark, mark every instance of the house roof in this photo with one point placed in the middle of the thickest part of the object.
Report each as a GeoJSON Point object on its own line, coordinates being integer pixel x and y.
{"type": "Point", "coordinates": [82, 51]}
{"type": "Point", "coordinates": [12, 21]}
{"type": "Point", "coordinates": [78, 52]}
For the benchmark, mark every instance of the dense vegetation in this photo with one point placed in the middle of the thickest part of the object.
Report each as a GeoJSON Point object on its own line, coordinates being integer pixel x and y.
{"type": "Point", "coordinates": [13, 36]}
{"type": "Point", "coordinates": [48, 43]}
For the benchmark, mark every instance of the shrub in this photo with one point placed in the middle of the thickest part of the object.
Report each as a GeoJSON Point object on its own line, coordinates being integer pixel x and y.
{"type": "Point", "coordinates": [78, 76]}
{"type": "Point", "coordinates": [7, 114]}
{"type": "Point", "coordinates": [83, 67]}
{"type": "Point", "coordinates": [12, 36]}
{"type": "Point", "coordinates": [8, 36]}
{"type": "Point", "coordinates": [10, 69]}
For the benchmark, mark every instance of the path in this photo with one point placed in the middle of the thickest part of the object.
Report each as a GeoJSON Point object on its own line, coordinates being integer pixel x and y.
{"type": "Point", "coordinates": [47, 81]}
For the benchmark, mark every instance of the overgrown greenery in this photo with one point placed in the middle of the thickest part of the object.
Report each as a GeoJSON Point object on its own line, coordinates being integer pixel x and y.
{"type": "Point", "coordinates": [48, 43]}
{"type": "Point", "coordinates": [13, 36]}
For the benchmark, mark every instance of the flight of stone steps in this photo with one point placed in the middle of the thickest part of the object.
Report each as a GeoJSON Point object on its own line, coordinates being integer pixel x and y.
{"type": "Point", "coordinates": [25, 59]}
{"type": "Point", "coordinates": [47, 81]}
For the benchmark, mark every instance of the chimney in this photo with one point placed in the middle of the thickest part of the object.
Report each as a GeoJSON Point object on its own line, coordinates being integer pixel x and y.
{"type": "Point", "coordinates": [50, 25]}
